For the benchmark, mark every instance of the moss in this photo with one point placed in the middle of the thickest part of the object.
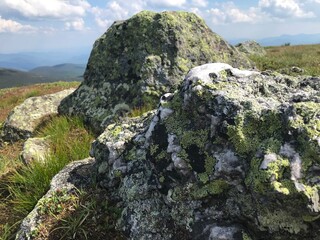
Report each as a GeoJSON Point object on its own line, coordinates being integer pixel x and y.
{"type": "Point", "coordinates": [203, 177]}
{"type": "Point", "coordinates": [245, 236]}
{"type": "Point", "coordinates": [154, 149]}
{"type": "Point", "coordinates": [276, 168]}
{"type": "Point", "coordinates": [306, 128]}
{"type": "Point", "coordinates": [251, 130]}
{"type": "Point", "coordinates": [260, 180]}
{"type": "Point", "coordinates": [257, 179]}
{"type": "Point", "coordinates": [282, 221]}
{"type": "Point", "coordinates": [161, 155]}
{"type": "Point", "coordinates": [115, 131]}
{"type": "Point", "coordinates": [214, 187]}
{"type": "Point", "coordinates": [198, 138]}
{"type": "Point", "coordinates": [279, 188]}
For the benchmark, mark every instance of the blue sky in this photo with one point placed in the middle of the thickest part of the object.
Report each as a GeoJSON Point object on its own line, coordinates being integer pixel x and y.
{"type": "Point", "coordinates": [46, 25]}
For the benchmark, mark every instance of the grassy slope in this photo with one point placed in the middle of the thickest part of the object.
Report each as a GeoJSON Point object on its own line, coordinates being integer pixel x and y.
{"type": "Point", "coordinates": [9, 154]}
{"type": "Point", "coordinates": [85, 215]}
{"type": "Point", "coordinates": [306, 57]}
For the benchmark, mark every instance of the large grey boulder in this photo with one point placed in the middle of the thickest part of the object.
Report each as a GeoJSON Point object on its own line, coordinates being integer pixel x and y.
{"type": "Point", "coordinates": [233, 154]}
{"type": "Point", "coordinates": [26, 117]}
{"type": "Point", "coordinates": [138, 60]}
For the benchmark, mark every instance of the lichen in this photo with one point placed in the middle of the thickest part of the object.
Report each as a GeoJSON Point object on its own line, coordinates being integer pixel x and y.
{"type": "Point", "coordinates": [214, 187]}
{"type": "Point", "coordinates": [282, 221]}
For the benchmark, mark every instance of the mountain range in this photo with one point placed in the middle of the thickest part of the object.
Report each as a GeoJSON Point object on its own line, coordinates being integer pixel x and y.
{"type": "Point", "coordinates": [62, 72]}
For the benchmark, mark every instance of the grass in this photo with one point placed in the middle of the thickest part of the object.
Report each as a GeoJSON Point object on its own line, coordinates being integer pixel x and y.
{"type": "Point", "coordinates": [282, 58]}
{"type": "Point", "coordinates": [138, 111]}
{"type": "Point", "coordinates": [21, 186]}
{"type": "Point", "coordinates": [69, 140]}
{"type": "Point", "coordinates": [91, 216]}
{"type": "Point", "coordinates": [26, 184]}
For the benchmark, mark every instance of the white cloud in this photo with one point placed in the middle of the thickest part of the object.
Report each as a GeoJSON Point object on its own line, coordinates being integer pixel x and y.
{"type": "Point", "coordinates": [13, 26]}
{"type": "Point", "coordinates": [200, 3]}
{"type": "Point", "coordinates": [168, 3]}
{"type": "Point", "coordinates": [229, 13]}
{"type": "Point", "coordinates": [284, 9]}
{"type": "Point", "coordinates": [116, 10]}
{"type": "Point", "coordinates": [76, 25]}
{"type": "Point", "coordinates": [35, 9]}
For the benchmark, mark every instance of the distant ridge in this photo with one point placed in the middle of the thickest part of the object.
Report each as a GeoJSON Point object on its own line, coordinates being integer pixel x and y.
{"type": "Point", "coordinates": [62, 72]}
{"type": "Point", "coordinates": [30, 60]}
{"type": "Point", "coordinates": [299, 39]}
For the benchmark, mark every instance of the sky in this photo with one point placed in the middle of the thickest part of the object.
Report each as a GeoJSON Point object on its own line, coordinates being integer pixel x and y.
{"type": "Point", "coordinates": [48, 25]}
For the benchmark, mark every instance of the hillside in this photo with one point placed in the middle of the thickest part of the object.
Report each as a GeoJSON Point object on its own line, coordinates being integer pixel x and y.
{"type": "Point", "coordinates": [14, 78]}
{"type": "Point", "coordinates": [28, 60]}
{"type": "Point", "coordinates": [63, 72]}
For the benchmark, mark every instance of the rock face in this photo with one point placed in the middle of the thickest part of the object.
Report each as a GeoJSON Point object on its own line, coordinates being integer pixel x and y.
{"type": "Point", "coordinates": [251, 48]}
{"type": "Point", "coordinates": [232, 154]}
{"type": "Point", "coordinates": [35, 149]}
{"type": "Point", "coordinates": [25, 118]}
{"type": "Point", "coordinates": [139, 59]}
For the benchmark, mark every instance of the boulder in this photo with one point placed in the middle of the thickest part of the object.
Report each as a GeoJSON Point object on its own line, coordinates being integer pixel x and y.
{"type": "Point", "coordinates": [35, 149]}
{"type": "Point", "coordinates": [233, 154]}
{"type": "Point", "coordinates": [251, 48]}
{"type": "Point", "coordinates": [138, 60]}
{"type": "Point", "coordinates": [76, 175]}
{"type": "Point", "coordinates": [26, 117]}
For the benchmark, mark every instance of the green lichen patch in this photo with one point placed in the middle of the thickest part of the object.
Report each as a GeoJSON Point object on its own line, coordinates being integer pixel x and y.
{"type": "Point", "coordinates": [214, 187]}
{"type": "Point", "coordinates": [252, 131]}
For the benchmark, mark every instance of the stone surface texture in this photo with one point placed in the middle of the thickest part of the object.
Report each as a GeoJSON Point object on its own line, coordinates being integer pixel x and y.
{"type": "Point", "coordinates": [35, 149]}
{"type": "Point", "coordinates": [232, 154]}
{"type": "Point", "coordinates": [138, 60]}
{"type": "Point", "coordinates": [26, 117]}
{"type": "Point", "coordinates": [251, 48]}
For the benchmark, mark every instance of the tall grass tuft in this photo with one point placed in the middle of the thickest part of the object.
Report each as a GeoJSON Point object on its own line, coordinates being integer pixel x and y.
{"type": "Point", "coordinates": [69, 141]}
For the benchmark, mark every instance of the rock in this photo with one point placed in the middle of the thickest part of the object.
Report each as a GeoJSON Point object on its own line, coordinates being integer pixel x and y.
{"type": "Point", "coordinates": [251, 48]}
{"type": "Point", "coordinates": [138, 60]}
{"type": "Point", "coordinates": [233, 154]}
{"type": "Point", "coordinates": [35, 149]}
{"type": "Point", "coordinates": [76, 175]}
{"type": "Point", "coordinates": [25, 118]}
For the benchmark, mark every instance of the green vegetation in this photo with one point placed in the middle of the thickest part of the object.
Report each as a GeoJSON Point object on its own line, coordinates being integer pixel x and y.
{"type": "Point", "coordinates": [25, 185]}
{"type": "Point", "coordinates": [285, 57]}
{"type": "Point", "coordinates": [30, 183]}
{"type": "Point", "coordinates": [90, 216]}
{"type": "Point", "coordinates": [21, 186]}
